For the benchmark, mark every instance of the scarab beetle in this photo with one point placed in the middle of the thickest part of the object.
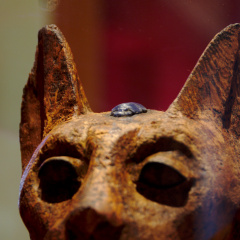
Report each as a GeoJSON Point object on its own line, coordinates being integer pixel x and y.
{"type": "Point", "coordinates": [128, 109]}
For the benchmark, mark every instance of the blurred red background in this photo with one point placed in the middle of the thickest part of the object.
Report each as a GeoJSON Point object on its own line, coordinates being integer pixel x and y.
{"type": "Point", "coordinates": [140, 50]}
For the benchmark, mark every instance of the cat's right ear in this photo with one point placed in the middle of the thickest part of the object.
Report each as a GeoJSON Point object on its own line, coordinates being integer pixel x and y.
{"type": "Point", "coordinates": [53, 93]}
{"type": "Point", "coordinates": [212, 91]}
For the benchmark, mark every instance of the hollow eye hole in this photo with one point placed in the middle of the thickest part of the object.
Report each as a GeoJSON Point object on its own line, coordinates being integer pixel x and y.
{"type": "Point", "coordinates": [159, 175]}
{"type": "Point", "coordinates": [163, 184]}
{"type": "Point", "coordinates": [59, 179]}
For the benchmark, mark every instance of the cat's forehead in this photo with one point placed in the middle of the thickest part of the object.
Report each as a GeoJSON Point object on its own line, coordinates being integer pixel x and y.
{"type": "Point", "coordinates": [105, 124]}
{"type": "Point", "coordinates": [102, 128]}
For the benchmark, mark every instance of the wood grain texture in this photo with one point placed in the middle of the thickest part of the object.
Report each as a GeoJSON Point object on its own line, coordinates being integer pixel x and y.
{"type": "Point", "coordinates": [212, 89]}
{"type": "Point", "coordinates": [171, 175]}
{"type": "Point", "coordinates": [53, 93]}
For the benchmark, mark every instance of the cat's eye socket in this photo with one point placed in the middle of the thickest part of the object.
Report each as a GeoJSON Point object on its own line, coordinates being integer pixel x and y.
{"type": "Point", "coordinates": [161, 176]}
{"type": "Point", "coordinates": [60, 178]}
{"type": "Point", "coordinates": [163, 184]}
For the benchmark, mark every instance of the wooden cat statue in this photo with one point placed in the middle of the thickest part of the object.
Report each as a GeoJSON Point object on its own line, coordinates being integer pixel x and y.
{"type": "Point", "coordinates": [132, 173]}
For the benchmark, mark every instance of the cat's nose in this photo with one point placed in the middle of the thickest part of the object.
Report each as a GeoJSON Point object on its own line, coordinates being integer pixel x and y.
{"type": "Point", "coordinates": [88, 224]}
{"type": "Point", "coordinates": [97, 211]}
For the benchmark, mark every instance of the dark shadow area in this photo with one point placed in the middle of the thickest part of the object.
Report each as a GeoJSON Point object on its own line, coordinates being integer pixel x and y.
{"type": "Point", "coordinates": [58, 181]}
{"type": "Point", "coordinates": [234, 92]}
{"type": "Point", "coordinates": [163, 184]}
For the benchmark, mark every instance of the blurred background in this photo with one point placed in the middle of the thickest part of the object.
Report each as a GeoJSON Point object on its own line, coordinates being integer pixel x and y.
{"type": "Point", "coordinates": [136, 50]}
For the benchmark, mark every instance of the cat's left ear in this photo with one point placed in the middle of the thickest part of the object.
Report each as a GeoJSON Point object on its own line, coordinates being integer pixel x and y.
{"type": "Point", "coordinates": [212, 90]}
{"type": "Point", "coordinates": [53, 93]}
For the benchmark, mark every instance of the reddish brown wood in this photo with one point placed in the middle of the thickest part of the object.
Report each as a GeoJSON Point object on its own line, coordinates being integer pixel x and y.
{"type": "Point", "coordinates": [155, 175]}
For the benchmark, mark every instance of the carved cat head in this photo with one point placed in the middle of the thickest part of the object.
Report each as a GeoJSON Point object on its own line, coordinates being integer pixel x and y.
{"type": "Point", "coordinates": [131, 174]}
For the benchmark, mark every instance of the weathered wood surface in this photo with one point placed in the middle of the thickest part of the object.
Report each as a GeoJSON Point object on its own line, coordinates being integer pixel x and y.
{"type": "Point", "coordinates": [154, 175]}
{"type": "Point", "coordinates": [53, 93]}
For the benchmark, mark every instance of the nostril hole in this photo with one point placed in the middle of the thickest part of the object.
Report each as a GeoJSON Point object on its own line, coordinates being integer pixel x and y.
{"type": "Point", "coordinates": [103, 231]}
{"type": "Point", "coordinates": [58, 180]}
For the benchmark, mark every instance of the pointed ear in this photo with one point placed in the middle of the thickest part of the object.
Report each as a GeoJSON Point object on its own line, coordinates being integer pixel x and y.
{"type": "Point", "coordinates": [212, 90]}
{"type": "Point", "coordinates": [53, 93]}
